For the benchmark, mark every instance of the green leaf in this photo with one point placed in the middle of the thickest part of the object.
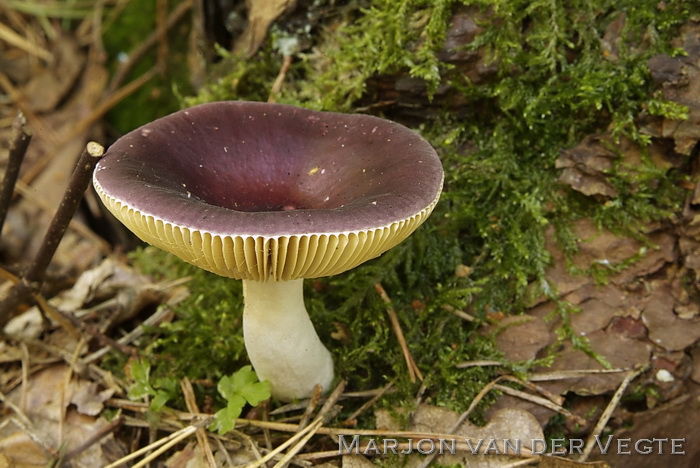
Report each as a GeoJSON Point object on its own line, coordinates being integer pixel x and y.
{"type": "Point", "coordinates": [244, 383]}
{"type": "Point", "coordinates": [225, 419]}
{"type": "Point", "coordinates": [160, 399]}
{"type": "Point", "coordinates": [168, 384]}
{"type": "Point", "coordinates": [238, 388]}
{"type": "Point", "coordinates": [139, 390]}
{"type": "Point", "coordinates": [140, 372]}
{"type": "Point", "coordinates": [244, 376]}
{"type": "Point", "coordinates": [162, 390]}
{"type": "Point", "coordinates": [256, 393]}
{"type": "Point", "coordinates": [226, 387]}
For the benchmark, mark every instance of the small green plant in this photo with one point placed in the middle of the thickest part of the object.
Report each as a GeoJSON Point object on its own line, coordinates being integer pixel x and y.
{"type": "Point", "coordinates": [239, 388]}
{"type": "Point", "coordinates": [158, 392]}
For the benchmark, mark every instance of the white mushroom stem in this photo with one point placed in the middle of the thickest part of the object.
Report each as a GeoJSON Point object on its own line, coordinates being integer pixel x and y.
{"type": "Point", "coordinates": [281, 340]}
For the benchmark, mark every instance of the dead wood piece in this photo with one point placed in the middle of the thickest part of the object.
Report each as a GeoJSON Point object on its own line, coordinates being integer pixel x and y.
{"type": "Point", "coordinates": [261, 15]}
{"type": "Point", "coordinates": [311, 407]}
{"type": "Point", "coordinates": [34, 275]}
{"type": "Point", "coordinates": [101, 433]}
{"type": "Point", "coordinates": [21, 136]}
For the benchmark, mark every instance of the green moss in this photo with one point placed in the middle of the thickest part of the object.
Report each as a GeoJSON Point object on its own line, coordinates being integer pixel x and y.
{"type": "Point", "coordinates": [205, 341]}
{"type": "Point", "coordinates": [390, 36]}
{"type": "Point", "coordinates": [239, 78]}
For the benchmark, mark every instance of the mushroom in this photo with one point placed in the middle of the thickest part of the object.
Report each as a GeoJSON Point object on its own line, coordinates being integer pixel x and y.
{"type": "Point", "coordinates": [271, 194]}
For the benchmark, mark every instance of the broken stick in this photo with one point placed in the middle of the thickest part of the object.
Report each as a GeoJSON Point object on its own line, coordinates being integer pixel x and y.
{"type": "Point", "coordinates": [33, 277]}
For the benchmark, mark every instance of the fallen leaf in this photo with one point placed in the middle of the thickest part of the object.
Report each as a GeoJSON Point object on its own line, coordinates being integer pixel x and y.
{"type": "Point", "coordinates": [510, 424]}
{"type": "Point", "coordinates": [191, 456]}
{"type": "Point", "coordinates": [9, 353]}
{"type": "Point", "coordinates": [600, 248]}
{"type": "Point", "coordinates": [19, 450]}
{"type": "Point", "coordinates": [666, 329]}
{"type": "Point", "coordinates": [89, 400]}
{"type": "Point", "coordinates": [26, 326]}
{"type": "Point", "coordinates": [474, 64]}
{"type": "Point", "coordinates": [610, 44]}
{"type": "Point", "coordinates": [671, 421]}
{"type": "Point", "coordinates": [585, 166]}
{"type": "Point", "coordinates": [618, 350]}
{"type": "Point", "coordinates": [112, 279]}
{"type": "Point", "coordinates": [592, 315]}
{"type": "Point", "coordinates": [521, 337]}
{"type": "Point", "coordinates": [628, 327]}
{"type": "Point", "coordinates": [49, 404]}
{"type": "Point", "coordinates": [695, 355]}
{"type": "Point", "coordinates": [261, 14]}
{"type": "Point", "coordinates": [678, 78]}
{"type": "Point", "coordinates": [588, 166]}
{"type": "Point", "coordinates": [559, 279]}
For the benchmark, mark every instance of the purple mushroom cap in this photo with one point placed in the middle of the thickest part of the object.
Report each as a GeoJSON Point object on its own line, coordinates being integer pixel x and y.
{"type": "Point", "coordinates": [251, 181]}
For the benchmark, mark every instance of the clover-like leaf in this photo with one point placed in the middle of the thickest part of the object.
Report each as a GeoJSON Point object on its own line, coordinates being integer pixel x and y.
{"type": "Point", "coordinates": [225, 418]}
{"type": "Point", "coordinates": [140, 372]}
{"type": "Point", "coordinates": [240, 387]}
{"type": "Point", "coordinates": [244, 383]}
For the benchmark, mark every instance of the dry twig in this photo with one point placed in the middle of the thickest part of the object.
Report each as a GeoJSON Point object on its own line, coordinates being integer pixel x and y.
{"type": "Point", "coordinates": [165, 443]}
{"type": "Point", "coordinates": [463, 417]}
{"type": "Point", "coordinates": [459, 313]}
{"type": "Point", "coordinates": [299, 436]}
{"type": "Point", "coordinates": [311, 406]}
{"type": "Point", "coordinates": [554, 398]}
{"type": "Point", "coordinates": [325, 411]}
{"type": "Point", "coordinates": [16, 409]}
{"type": "Point", "coordinates": [413, 370]}
{"type": "Point", "coordinates": [277, 85]}
{"type": "Point", "coordinates": [76, 225]}
{"type": "Point", "coordinates": [26, 363]}
{"type": "Point", "coordinates": [29, 431]}
{"type": "Point", "coordinates": [106, 104]}
{"type": "Point", "coordinates": [368, 404]}
{"type": "Point", "coordinates": [34, 275]}
{"type": "Point", "coordinates": [191, 403]}
{"type": "Point", "coordinates": [134, 334]}
{"type": "Point", "coordinates": [478, 363]}
{"type": "Point", "coordinates": [11, 37]}
{"type": "Point", "coordinates": [162, 37]}
{"type": "Point", "coordinates": [299, 445]}
{"type": "Point", "coordinates": [534, 399]}
{"type": "Point", "coordinates": [33, 119]}
{"type": "Point", "coordinates": [605, 417]}
{"type": "Point", "coordinates": [571, 374]}
{"type": "Point", "coordinates": [21, 136]}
